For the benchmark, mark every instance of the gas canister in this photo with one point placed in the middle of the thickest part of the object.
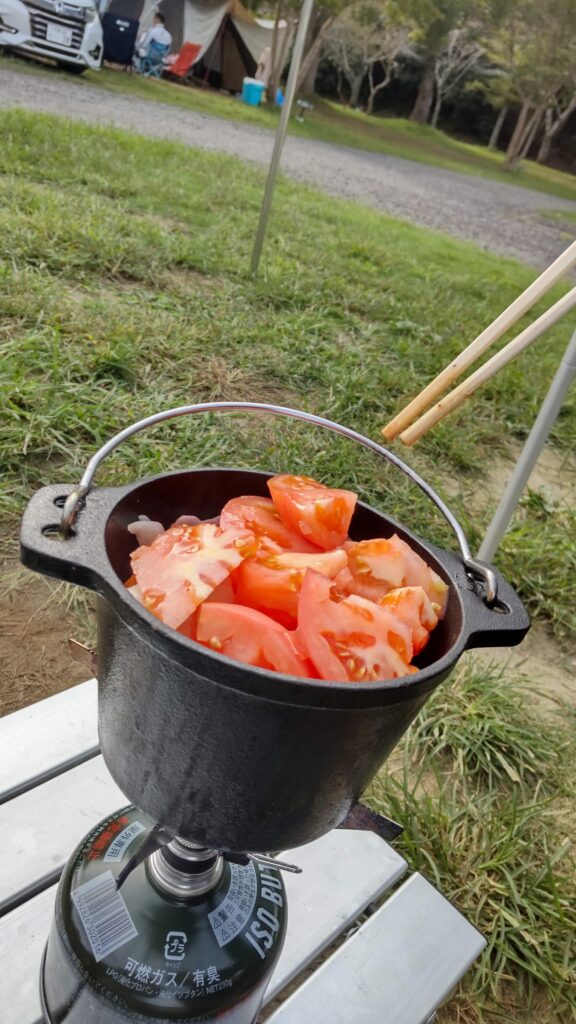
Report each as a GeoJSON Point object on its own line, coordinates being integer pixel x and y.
{"type": "Point", "coordinates": [189, 936]}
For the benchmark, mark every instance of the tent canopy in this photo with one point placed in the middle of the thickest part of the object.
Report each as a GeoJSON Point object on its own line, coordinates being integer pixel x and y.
{"type": "Point", "coordinates": [231, 39]}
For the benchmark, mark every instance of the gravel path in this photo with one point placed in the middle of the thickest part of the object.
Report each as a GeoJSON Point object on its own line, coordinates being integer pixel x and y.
{"type": "Point", "coordinates": [502, 218]}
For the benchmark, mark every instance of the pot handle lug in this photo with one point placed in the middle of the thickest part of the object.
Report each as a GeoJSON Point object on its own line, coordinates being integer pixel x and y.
{"type": "Point", "coordinates": [478, 570]}
{"type": "Point", "coordinates": [503, 623]}
{"type": "Point", "coordinates": [41, 545]}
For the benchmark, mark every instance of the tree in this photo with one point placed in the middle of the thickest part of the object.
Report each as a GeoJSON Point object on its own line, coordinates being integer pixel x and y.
{"type": "Point", "coordinates": [284, 12]}
{"type": "Point", "coordinates": [432, 22]}
{"type": "Point", "coordinates": [461, 55]}
{"type": "Point", "coordinates": [556, 115]}
{"type": "Point", "coordinates": [361, 38]}
{"type": "Point", "coordinates": [322, 17]}
{"type": "Point", "coordinates": [535, 46]}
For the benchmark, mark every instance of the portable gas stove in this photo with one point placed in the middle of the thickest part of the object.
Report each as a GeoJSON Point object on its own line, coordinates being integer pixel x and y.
{"type": "Point", "coordinates": [162, 914]}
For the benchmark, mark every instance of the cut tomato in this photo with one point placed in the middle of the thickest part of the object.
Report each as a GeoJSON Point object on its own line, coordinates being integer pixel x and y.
{"type": "Point", "coordinates": [320, 514]}
{"type": "Point", "coordinates": [378, 566]}
{"type": "Point", "coordinates": [414, 609]}
{"type": "Point", "coordinates": [261, 517]}
{"type": "Point", "coordinates": [224, 592]}
{"type": "Point", "coordinates": [272, 582]}
{"type": "Point", "coordinates": [351, 640]}
{"type": "Point", "coordinates": [249, 636]}
{"type": "Point", "coordinates": [182, 567]}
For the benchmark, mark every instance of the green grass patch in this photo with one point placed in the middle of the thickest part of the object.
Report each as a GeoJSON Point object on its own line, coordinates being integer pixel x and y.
{"type": "Point", "coordinates": [487, 822]}
{"type": "Point", "coordinates": [542, 527]}
{"type": "Point", "coordinates": [481, 728]}
{"type": "Point", "coordinates": [561, 215]}
{"type": "Point", "coordinates": [333, 123]}
{"type": "Point", "coordinates": [124, 289]}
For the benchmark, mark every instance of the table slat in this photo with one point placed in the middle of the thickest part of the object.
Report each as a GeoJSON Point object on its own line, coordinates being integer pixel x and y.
{"type": "Point", "coordinates": [46, 738]}
{"type": "Point", "coordinates": [23, 935]}
{"type": "Point", "coordinates": [398, 967]}
{"type": "Point", "coordinates": [41, 827]}
{"type": "Point", "coordinates": [342, 873]}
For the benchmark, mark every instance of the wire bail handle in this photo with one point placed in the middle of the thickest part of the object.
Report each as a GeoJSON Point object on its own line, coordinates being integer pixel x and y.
{"type": "Point", "coordinates": [477, 568]}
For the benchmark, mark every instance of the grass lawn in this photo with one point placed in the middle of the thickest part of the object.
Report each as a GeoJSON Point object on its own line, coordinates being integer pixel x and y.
{"type": "Point", "coordinates": [331, 122]}
{"type": "Point", "coordinates": [124, 290]}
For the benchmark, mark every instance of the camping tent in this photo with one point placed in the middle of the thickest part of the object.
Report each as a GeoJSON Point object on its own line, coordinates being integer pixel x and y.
{"type": "Point", "coordinates": [231, 39]}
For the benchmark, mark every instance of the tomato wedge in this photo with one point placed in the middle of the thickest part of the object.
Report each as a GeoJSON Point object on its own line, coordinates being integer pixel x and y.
{"type": "Point", "coordinates": [378, 566]}
{"type": "Point", "coordinates": [261, 517]}
{"type": "Point", "coordinates": [320, 514]}
{"type": "Point", "coordinates": [182, 567]}
{"type": "Point", "coordinates": [414, 609]}
{"type": "Point", "coordinates": [351, 640]}
{"type": "Point", "coordinates": [249, 636]}
{"type": "Point", "coordinates": [272, 582]}
{"type": "Point", "coordinates": [224, 592]}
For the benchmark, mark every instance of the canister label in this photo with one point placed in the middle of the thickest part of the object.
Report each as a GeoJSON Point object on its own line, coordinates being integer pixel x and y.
{"type": "Point", "coordinates": [104, 915]}
{"type": "Point", "coordinates": [235, 910]}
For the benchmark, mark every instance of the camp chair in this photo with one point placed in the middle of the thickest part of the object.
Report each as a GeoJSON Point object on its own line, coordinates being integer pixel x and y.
{"type": "Point", "coordinates": [152, 64]}
{"type": "Point", "coordinates": [180, 66]}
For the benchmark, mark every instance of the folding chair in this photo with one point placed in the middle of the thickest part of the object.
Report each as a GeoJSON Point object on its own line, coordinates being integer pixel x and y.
{"type": "Point", "coordinates": [153, 63]}
{"type": "Point", "coordinates": [180, 65]}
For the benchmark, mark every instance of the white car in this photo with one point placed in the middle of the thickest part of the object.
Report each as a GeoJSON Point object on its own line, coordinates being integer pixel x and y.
{"type": "Point", "coordinates": [67, 31]}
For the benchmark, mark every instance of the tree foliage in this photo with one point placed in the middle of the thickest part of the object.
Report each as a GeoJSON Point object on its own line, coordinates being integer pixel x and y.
{"type": "Point", "coordinates": [360, 38]}
{"type": "Point", "coordinates": [460, 57]}
{"type": "Point", "coordinates": [520, 53]}
{"type": "Point", "coordinates": [535, 47]}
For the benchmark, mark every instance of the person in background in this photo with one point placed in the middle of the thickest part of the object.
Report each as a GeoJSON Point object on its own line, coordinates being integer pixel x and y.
{"type": "Point", "coordinates": [158, 35]}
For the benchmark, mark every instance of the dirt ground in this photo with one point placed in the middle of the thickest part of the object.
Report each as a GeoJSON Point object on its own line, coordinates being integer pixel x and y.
{"type": "Point", "coordinates": [34, 632]}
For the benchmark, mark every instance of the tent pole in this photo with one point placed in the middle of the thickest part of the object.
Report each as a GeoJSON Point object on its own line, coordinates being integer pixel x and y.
{"type": "Point", "coordinates": [301, 34]}
{"type": "Point", "coordinates": [536, 440]}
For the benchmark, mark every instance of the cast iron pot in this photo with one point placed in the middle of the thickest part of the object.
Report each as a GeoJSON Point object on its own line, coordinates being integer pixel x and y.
{"type": "Point", "coordinates": [221, 753]}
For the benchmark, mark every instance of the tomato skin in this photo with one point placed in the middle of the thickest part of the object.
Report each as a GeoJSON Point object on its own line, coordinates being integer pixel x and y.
{"type": "Point", "coordinates": [182, 567]}
{"type": "Point", "coordinates": [380, 565]}
{"type": "Point", "coordinates": [224, 592]}
{"type": "Point", "coordinates": [320, 514]}
{"type": "Point", "coordinates": [251, 637]}
{"type": "Point", "coordinates": [351, 640]}
{"type": "Point", "coordinates": [261, 517]}
{"type": "Point", "coordinates": [272, 582]}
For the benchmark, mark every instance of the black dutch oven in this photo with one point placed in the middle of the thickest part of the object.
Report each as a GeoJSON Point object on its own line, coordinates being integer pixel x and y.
{"type": "Point", "coordinates": [221, 753]}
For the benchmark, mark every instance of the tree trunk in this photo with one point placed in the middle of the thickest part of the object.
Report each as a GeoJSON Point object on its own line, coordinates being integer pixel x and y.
{"type": "Point", "coordinates": [498, 125]}
{"type": "Point", "coordinates": [515, 144]}
{"type": "Point", "coordinates": [530, 134]}
{"type": "Point", "coordinates": [545, 147]}
{"type": "Point", "coordinates": [355, 87]}
{"type": "Point", "coordinates": [273, 83]}
{"type": "Point", "coordinates": [279, 67]}
{"type": "Point", "coordinates": [551, 130]}
{"type": "Point", "coordinates": [311, 61]}
{"type": "Point", "coordinates": [437, 109]}
{"type": "Point", "coordinates": [374, 89]}
{"type": "Point", "coordinates": [423, 104]}
{"type": "Point", "coordinates": [309, 82]}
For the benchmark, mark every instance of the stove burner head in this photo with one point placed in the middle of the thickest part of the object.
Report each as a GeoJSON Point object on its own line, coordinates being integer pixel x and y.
{"type": "Point", "coordinates": [183, 870]}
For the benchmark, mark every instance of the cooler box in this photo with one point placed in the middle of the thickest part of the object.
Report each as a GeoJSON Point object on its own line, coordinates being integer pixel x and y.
{"type": "Point", "coordinates": [252, 91]}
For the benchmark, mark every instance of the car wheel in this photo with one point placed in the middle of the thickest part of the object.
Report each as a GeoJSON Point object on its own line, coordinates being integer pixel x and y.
{"type": "Point", "coordinates": [73, 69]}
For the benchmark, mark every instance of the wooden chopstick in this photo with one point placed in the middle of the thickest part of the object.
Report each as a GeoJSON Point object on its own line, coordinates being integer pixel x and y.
{"type": "Point", "coordinates": [554, 273]}
{"type": "Point", "coordinates": [467, 388]}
